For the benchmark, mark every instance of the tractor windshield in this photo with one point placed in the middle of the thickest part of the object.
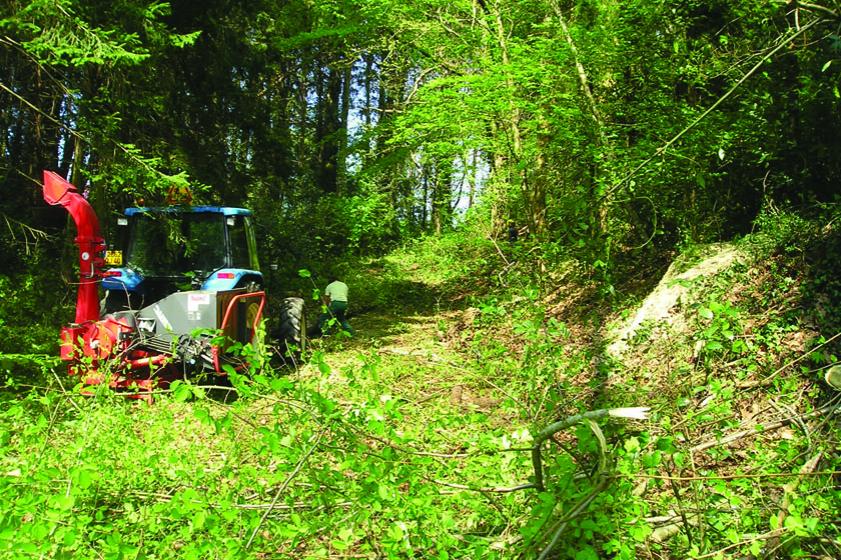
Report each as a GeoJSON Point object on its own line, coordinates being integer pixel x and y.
{"type": "Point", "coordinates": [173, 244]}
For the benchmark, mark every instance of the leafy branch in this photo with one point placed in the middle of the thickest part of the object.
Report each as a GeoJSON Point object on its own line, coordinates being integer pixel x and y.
{"type": "Point", "coordinates": [662, 149]}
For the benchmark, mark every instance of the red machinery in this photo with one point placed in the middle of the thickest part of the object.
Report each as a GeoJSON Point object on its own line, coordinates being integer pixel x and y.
{"type": "Point", "coordinates": [144, 348]}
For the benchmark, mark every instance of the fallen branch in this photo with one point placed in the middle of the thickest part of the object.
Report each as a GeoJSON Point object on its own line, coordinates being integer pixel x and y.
{"type": "Point", "coordinates": [727, 476]}
{"type": "Point", "coordinates": [64, 391]}
{"type": "Point", "coordinates": [161, 497]}
{"type": "Point", "coordinates": [763, 536]}
{"type": "Point", "coordinates": [483, 489]}
{"type": "Point", "coordinates": [295, 507]}
{"type": "Point", "coordinates": [575, 512]}
{"type": "Point", "coordinates": [788, 491]}
{"type": "Point", "coordinates": [537, 460]}
{"type": "Point", "coordinates": [768, 379]}
{"type": "Point", "coordinates": [817, 8]}
{"type": "Point", "coordinates": [672, 528]}
{"type": "Point", "coordinates": [501, 254]}
{"type": "Point", "coordinates": [283, 487]}
{"type": "Point", "coordinates": [765, 428]}
{"type": "Point", "coordinates": [602, 480]}
{"type": "Point", "coordinates": [683, 517]}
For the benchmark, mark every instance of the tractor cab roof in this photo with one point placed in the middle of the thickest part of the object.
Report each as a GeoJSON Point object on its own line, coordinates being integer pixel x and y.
{"type": "Point", "coordinates": [224, 210]}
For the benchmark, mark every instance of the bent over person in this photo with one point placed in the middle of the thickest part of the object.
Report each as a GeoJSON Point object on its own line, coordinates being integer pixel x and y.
{"type": "Point", "coordinates": [336, 300]}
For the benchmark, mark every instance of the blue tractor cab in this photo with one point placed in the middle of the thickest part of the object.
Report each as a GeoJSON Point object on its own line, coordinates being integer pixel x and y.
{"type": "Point", "coordinates": [176, 248]}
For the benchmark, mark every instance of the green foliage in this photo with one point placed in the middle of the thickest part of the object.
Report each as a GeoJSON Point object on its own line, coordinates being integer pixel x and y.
{"type": "Point", "coordinates": [137, 180]}
{"type": "Point", "coordinates": [123, 480]}
{"type": "Point", "coordinates": [66, 32]}
{"type": "Point", "coordinates": [59, 36]}
{"type": "Point", "coordinates": [340, 120]}
{"type": "Point", "coordinates": [32, 307]}
{"type": "Point", "coordinates": [354, 128]}
{"type": "Point", "coordinates": [721, 324]}
{"type": "Point", "coordinates": [378, 444]}
{"type": "Point", "coordinates": [822, 288]}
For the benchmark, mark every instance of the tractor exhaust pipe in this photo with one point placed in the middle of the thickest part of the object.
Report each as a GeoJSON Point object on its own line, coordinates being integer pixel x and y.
{"type": "Point", "coordinates": [57, 192]}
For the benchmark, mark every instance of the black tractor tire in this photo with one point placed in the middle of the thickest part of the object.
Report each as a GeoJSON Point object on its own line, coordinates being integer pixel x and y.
{"type": "Point", "coordinates": [293, 329]}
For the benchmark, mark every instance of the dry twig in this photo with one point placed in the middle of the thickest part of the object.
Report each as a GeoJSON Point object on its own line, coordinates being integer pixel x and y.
{"type": "Point", "coordinates": [283, 487]}
{"type": "Point", "coordinates": [788, 490]}
{"type": "Point", "coordinates": [768, 379]}
{"type": "Point", "coordinates": [829, 409]}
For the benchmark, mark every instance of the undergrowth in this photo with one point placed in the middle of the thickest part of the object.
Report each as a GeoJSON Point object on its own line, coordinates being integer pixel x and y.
{"type": "Point", "coordinates": [415, 438]}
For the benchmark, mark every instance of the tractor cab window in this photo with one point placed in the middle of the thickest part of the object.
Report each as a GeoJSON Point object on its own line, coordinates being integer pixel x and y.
{"type": "Point", "coordinates": [243, 246]}
{"type": "Point", "coordinates": [171, 244]}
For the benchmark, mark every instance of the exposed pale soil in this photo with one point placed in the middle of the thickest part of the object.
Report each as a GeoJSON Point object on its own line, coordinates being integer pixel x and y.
{"type": "Point", "coordinates": [660, 304]}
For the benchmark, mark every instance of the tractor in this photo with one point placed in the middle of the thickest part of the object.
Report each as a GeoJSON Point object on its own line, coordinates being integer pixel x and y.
{"type": "Point", "coordinates": [183, 290]}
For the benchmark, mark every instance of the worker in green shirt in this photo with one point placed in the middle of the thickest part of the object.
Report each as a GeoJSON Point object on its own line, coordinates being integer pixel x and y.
{"type": "Point", "coordinates": [336, 299]}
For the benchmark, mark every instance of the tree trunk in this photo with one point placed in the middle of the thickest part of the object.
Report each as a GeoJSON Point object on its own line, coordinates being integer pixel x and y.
{"type": "Point", "coordinates": [368, 82]}
{"type": "Point", "coordinates": [442, 196]}
{"type": "Point", "coordinates": [342, 124]}
{"type": "Point", "coordinates": [471, 160]}
{"type": "Point", "coordinates": [327, 129]}
{"type": "Point", "coordinates": [599, 207]}
{"type": "Point", "coordinates": [537, 204]}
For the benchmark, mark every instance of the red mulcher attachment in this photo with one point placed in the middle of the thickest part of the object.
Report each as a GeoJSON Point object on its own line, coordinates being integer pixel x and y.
{"type": "Point", "coordinates": [88, 341]}
{"type": "Point", "coordinates": [132, 346]}
{"type": "Point", "coordinates": [91, 245]}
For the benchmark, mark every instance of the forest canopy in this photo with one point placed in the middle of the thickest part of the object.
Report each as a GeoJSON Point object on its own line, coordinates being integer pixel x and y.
{"type": "Point", "coordinates": [372, 122]}
{"type": "Point", "coordinates": [591, 248]}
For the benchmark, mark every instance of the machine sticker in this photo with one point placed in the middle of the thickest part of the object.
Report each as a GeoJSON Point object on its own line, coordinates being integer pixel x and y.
{"type": "Point", "coordinates": [160, 314]}
{"type": "Point", "coordinates": [195, 300]}
{"type": "Point", "coordinates": [113, 258]}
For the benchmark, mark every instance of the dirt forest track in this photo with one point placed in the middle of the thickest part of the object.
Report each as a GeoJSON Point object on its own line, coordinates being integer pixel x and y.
{"type": "Point", "coordinates": [450, 428]}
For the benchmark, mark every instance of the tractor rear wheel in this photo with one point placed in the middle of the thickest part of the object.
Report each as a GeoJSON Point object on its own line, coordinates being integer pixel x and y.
{"type": "Point", "coordinates": [293, 329]}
